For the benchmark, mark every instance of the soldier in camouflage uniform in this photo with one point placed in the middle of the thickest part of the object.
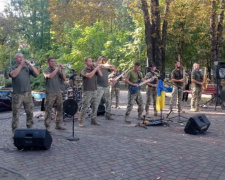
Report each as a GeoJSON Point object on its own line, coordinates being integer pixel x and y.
{"type": "Point", "coordinates": [151, 91]}
{"type": "Point", "coordinates": [178, 81]}
{"type": "Point", "coordinates": [103, 89]}
{"type": "Point", "coordinates": [89, 95]}
{"type": "Point", "coordinates": [115, 87]}
{"type": "Point", "coordinates": [53, 80]}
{"type": "Point", "coordinates": [197, 83]}
{"type": "Point", "coordinates": [132, 77]}
{"type": "Point", "coordinates": [20, 75]}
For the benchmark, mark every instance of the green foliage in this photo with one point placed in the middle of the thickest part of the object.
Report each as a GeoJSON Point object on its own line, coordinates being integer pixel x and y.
{"type": "Point", "coordinates": [38, 83]}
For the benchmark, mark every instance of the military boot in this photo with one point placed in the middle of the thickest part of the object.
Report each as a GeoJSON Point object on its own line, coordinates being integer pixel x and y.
{"type": "Point", "coordinates": [140, 117]}
{"type": "Point", "coordinates": [147, 115]}
{"type": "Point", "coordinates": [108, 116]}
{"type": "Point", "coordinates": [126, 119]}
{"type": "Point", "coordinates": [94, 122]}
{"type": "Point", "coordinates": [59, 127]}
{"type": "Point", "coordinates": [155, 113]}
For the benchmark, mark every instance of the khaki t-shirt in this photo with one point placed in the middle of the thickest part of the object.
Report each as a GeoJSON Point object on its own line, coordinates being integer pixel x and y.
{"type": "Point", "coordinates": [133, 76]}
{"type": "Point", "coordinates": [53, 85]}
{"type": "Point", "coordinates": [196, 75]}
{"type": "Point", "coordinates": [177, 74]}
{"type": "Point", "coordinates": [21, 83]}
{"type": "Point", "coordinates": [89, 84]}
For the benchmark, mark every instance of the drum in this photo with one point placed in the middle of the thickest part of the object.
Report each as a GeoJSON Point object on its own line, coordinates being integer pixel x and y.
{"type": "Point", "coordinates": [70, 107]}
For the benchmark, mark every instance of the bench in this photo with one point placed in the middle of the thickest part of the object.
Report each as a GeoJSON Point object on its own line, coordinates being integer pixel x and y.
{"type": "Point", "coordinates": [211, 90]}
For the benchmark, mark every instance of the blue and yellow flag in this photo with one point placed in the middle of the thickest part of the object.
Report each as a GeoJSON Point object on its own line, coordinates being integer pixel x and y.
{"type": "Point", "coordinates": [161, 96]}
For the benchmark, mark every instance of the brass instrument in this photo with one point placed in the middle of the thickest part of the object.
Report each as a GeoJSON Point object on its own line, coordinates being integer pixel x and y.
{"type": "Point", "coordinates": [157, 72]}
{"type": "Point", "coordinates": [205, 79]}
{"type": "Point", "coordinates": [105, 65]}
{"type": "Point", "coordinates": [185, 77]}
{"type": "Point", "coordinates": [68, 65]}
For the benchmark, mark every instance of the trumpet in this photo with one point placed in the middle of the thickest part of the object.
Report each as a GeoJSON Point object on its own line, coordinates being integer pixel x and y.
{"type": "Point", "coordinates": [157, 72]}
{"type": "Point", "coordinates": [68, 65]}
{"type": "Point", "coordinates": [106, 65]}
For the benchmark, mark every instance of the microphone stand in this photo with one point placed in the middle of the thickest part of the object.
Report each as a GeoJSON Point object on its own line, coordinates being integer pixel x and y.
{"type": "Point", "coordinates": [72, 138]}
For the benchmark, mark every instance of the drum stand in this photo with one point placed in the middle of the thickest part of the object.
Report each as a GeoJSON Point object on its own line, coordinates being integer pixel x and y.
{"type": "Point", "coordinates": [179, 116]}
{"type": "Point", "coordinates": [72, 138]}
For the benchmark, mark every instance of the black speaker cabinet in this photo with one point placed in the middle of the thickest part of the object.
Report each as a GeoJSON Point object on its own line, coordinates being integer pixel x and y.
{"type": "Point", "coordinates": [32, 139]}
{"type": "Point", "coordinates": [197, 124]}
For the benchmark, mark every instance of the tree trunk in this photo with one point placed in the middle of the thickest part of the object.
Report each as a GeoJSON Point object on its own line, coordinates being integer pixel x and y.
{"type": "Point", "coordinates": [156, 34]}
{"type": "Point", "coordinates": [220, 31]}
{"type": "Point", "coordinates": [213, 31]}
{"type": "Point", "coordinates": [164, 34]}
{"type": "Point", "coordinates": [148, 32]}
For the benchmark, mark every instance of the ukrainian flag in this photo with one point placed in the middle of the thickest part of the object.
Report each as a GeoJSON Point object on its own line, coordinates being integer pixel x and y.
{"type": "Point", "coordinates": [161, 96]}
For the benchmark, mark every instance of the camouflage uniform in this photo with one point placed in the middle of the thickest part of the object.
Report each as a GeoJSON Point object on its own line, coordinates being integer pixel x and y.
{"type": "Point", "coordinates": [115, 91]}
{"type": "Point", "coordinates": [53, 100]}
{"type": "Point", "coordinates": [17, 100]}
{"type": "Point", "coordinates": [88, 99]}
{"type": "Point", "coordinates": [196, 89]}
{"type": "Point", "coordinates": [134, 77]}
{"type": "Point", "coordinates": [177, 95]}
{"type": "Point", "coordinates": [103, 93]}
{"type": "Point", "coordinates": [89, 95]}
{"type": "Point", "coordinates": [151, 93]}
{"type": "Point", "coordinates": [22, 95]}
{"type": "Point", "coordinates": [196, 97]}
{"type": "Point", "coordinates": [177, 92]}
{"type": "Point", "coordinates": [135, 97]}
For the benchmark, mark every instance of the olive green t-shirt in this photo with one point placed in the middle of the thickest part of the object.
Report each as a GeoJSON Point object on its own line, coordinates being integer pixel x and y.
{"type": "Point", "coordinates": [133, 76]}
{"type": "Point", "coordinates": [150, 75]}
{"type": "Point", "coordinates": [89, 84]}
{"type": "Point", "coordinates": [196, 75]}
{"type": "Point", "coordinates": [177, 74]}
{"type": "Point", "coordinates": [53, 85]}
{"type": "Point", "coordinates": [21, 83]}
{"type": "Point", "coordinates": [103, 81]}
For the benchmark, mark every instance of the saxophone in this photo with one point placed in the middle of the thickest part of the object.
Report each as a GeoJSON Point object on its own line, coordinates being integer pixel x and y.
{"type": "Point", "coordinates": [205, 80]}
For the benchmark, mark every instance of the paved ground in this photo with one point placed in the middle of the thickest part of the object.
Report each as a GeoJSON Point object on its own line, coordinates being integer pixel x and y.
{"type": "Point", "coordinates": [119, 151]}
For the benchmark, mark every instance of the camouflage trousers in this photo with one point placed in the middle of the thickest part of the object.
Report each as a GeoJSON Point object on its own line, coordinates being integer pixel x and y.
{"type": "Point", "coordinates": [89, 98]}
{"type": "Point", "coordinates": [53, 100]}
{"type": "Point", "coordinates": [177, 95]}
{"type": "Point", "coordinates": [115, 91]}
{"type": "Point", "coordinates": [151, 93]}
{"type": "Point", "coordinates": [17, 100]}
{"type": "Point", "coordinates": [196, 97]}
{"type": "Point", "coordinates": [104, 93]}
{"type": "Point", "coordinates": [134, 97]}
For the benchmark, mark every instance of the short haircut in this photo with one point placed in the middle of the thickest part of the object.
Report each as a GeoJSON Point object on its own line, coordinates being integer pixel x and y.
{"type": "Point", "coordinates": [137, 64]}
{"type": "Point", "coordinates": [195, 64]}
{"type": "Point", "coordinates": [17, 54]}
{"type": "Point", "coordinates": [176, 61]}
{"type": "Point", "coordinates": [152, 65]}
{"type": "Point", "coordinates": [86, 59]}
{"type": "Point", "coordinates": [50, 58]}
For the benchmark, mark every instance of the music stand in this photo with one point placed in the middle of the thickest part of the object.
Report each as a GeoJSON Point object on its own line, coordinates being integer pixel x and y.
{"type": "Point", "coordinates": [169, 119]}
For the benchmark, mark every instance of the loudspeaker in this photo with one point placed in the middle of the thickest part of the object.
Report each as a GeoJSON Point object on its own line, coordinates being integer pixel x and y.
{"type": "Point", "coordinates": [32, 139]}
{"type": "Point", "coordinates": [197, 124]}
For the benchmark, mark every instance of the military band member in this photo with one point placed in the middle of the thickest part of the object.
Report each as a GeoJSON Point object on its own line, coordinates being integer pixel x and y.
{"type": "Point", "coordinates": [115, 87]}
{"type": "Point", "coordinates": [89, 95]}
{"type": "Point", "coordinates": [197, 82]}
{"type": "Point", "coordinates": [151, 91]}
{"type": "Point", "coordinates": [20, 75]}
{"type": "Point", "coordinates": [103, 89]}
{"type": "Point", "coordinates": [54, 76]}
{"type": "Point", "coordinates": [178, 81]}
{"type": "Point", "coordinates": [132, 77]}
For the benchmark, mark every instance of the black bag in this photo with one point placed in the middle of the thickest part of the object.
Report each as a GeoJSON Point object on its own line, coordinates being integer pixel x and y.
{"type": "Point", "coordinates": [6, 103]}
{"type": "Point", "coordinates": [101, 109]}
